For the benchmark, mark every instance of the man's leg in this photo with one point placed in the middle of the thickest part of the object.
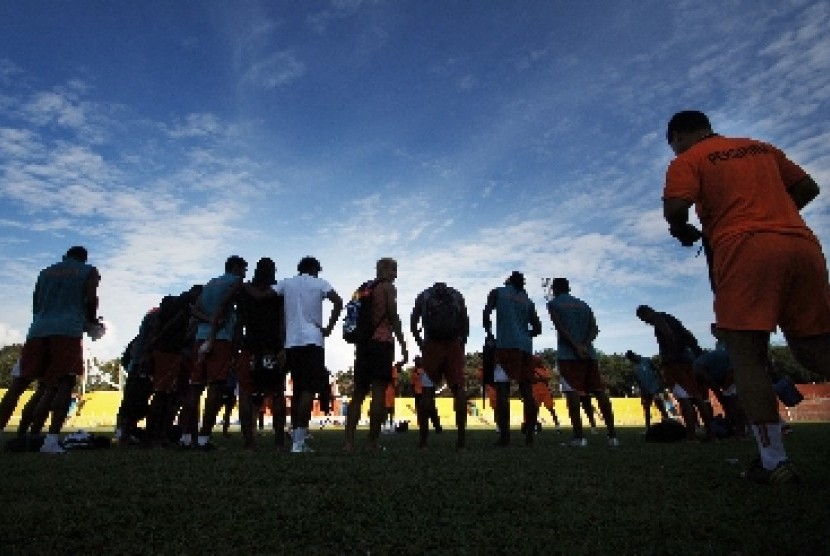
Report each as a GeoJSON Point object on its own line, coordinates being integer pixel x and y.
{"type": "Point", "coordinates": [278, 414]}
{"type": "Point", "coordinates": [27, 415]}
{"type": "Point", "coordinates": [748, 351]}
{"type": "Point", "coordinates": [573, 401]}
{"type": "Point", "coordinates": [423, 409]}
{"type": "Point", "coordinates": [10, 399]}
{"type": "Point", "coordinates": [503, 412]}
{"type": "Point", "coordinates": [157, 419]}
{"type": "Point", "coordinates": [246, 418]}
{"type": "Point", "coordinates": [377, 411]}
{"type": "Point", "coordinates": [213, 404]}
{"type": "Point", "coordinates": [607, 412]}
{"type": "Point", "coordinates": [59, 407]}
{"type": "Point", "coordinates": [585, 400]}
{"type": "Point", "coordinates": [460, 407]}
{"type": "Point", "coordinates": [646, 401]}
{"type": "Point", "coordinates": [531, 411]}
{"type": "Point", "coordinates": [302, 413]}
{"type": "Point", "coordinates": [813, 352]}
{"type": "Point", "coordinates": [353, 415]}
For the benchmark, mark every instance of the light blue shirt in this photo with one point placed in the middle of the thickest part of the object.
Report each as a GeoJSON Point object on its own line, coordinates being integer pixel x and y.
{"type": "Point", "coordinates": [60, 300]}
{"type": "Point", "coordinates": [213, 294]}
{"type": "Point", "coordinates": [578, 319]}
{"type": "Point", "coordinates": [514, 313]}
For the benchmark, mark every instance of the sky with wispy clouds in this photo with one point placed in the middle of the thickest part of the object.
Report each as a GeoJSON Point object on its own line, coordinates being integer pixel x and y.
{"type": "Point", "coordinates": [464, 139]}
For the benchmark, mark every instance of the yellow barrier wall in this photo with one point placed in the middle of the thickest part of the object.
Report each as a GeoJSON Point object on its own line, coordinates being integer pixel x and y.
{"type": "Point", "coordinates": [99, 409]}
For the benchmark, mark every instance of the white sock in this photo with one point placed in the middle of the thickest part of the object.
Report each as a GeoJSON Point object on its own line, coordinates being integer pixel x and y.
{"type": "Point", "coordinates": [300, 434]}
{"type": "Point", "coordinates": [770, 444]}
{"type": "Point", "coordinates": [202, 440]}
{"type": "Point", "coordinates": [186, 439]}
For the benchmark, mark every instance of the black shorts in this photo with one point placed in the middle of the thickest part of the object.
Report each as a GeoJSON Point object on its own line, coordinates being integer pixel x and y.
{"type": "Point", "coordinates": [307, 365]}
{"type": "Point", "coordinates": [137, 392]}
{"type": "Point", "coordinates": [373, 361]}
{"type": "Point", "coordinates": [268, 376]}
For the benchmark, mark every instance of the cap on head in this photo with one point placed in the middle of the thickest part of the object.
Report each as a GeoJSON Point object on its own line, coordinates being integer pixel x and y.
{"type": "Point", "coordinates": [309, 265]}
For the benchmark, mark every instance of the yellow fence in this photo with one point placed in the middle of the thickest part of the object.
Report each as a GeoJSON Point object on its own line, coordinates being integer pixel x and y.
{"type": "Point", "coordinates": [98, 410]}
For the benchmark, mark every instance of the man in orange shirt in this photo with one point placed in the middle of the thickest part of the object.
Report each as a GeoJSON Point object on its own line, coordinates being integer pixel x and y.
{"type": "Point", "coordinates": [767, 266]}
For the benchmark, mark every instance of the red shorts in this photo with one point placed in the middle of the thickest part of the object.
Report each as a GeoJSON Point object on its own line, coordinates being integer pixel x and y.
{"type": "Point", "coordinates": [542, 395]}
{"type": "Point", "coordinates": [683, 375]}
{"type": "Point", "coordinates": [50, 358]}
{"type": "Point", "coordinates": [767, 279]}
{"type": "Point", "coordinates": [518, 364]}
{"type": "Point", "coordinates": [444, 359]}
{"type": "Point", "coordinates": [166, 370]}
{"type": "Point", "coordinates": [216, 366]}
{"type": "Point", "coordinates": [582, 375]}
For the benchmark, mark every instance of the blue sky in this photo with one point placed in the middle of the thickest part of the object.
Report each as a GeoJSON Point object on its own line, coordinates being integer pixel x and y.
{"type": "Point", "coordinates": [465, 139]}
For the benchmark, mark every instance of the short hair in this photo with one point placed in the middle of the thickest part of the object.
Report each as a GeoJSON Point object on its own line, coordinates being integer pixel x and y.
{"type": "Point", "coordinates": [77, 253]}
{"type": "Point", "coordinates": [642, 309]}
{"type": "Point", "coordinates": [516, 279]}
{"type": "Point", "coordinates": [385, 262]}
{"type": "Point", "coordinates": [265, 272]}
{"type": "Point", "coordinates": [234, 261]}
{"type": "Point", "coordinates": [307, 265]}
{"type": "Point", "coordinates": [687, 121]}
{"type": "Point", "coordinates": [560, 285]}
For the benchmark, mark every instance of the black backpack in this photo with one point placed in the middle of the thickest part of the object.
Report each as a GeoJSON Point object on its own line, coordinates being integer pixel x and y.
{"type": "Point", "coordinates": [441, 313]}
{"type": "Point", "coordinates": [357, 324]}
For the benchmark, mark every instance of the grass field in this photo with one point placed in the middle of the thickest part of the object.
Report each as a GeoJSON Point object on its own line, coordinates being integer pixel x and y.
{"type": "Point", "coordinates": [636, 499]}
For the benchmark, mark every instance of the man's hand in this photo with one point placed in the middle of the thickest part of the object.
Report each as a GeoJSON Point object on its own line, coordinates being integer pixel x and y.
{"type": "Point", "coordinates": [686, 234]}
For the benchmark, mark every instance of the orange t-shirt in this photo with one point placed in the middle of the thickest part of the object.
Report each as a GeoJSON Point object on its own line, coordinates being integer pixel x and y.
{"type": "Point", "coordinates": [738, 185]}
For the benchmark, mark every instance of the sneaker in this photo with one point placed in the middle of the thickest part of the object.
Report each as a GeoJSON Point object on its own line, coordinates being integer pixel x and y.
{"type": "Point", "coordinates": [784, 472]}
{"type": "Point", "coordinates": [52, 448]}
{"type": "Point", "coordinates": [613, 442]}
{"type": "Point", "coordinates": [577, 443]}
{"type": "Point", "coordinates": [298, 448]}
{"type": "Point", "coordinates": [206, 447]}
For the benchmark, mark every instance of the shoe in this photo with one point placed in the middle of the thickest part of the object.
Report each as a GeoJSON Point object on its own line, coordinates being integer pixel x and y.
{"type": "Point", "coordinates": [52, 448]}
{"type": "Point", "coordinates": [784, 472]}
{"type": "Point", "coordinates": [206, 447]}
{"type": "Point", "coordinates": [577, 443]}
{"type": "Point", "coordinates": [297, 448]}
{"type": "Point", "coordinates": [613, 442]}
{"type": "Point", "coordinates": [557, 428]}
{"type": "Point", "coordinates": [439, 429]}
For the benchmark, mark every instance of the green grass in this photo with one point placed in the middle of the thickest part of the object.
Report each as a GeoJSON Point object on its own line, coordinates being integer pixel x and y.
{"type": "Point", "coordinates": [637, 499]}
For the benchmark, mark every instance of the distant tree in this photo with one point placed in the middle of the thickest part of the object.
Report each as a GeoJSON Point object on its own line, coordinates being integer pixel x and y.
{"type": "Point", "coordinates": [784, 364]}
{"type": "Point", "coordinates": [8, 356]}
{"type": "Point", "coordinates": [617, 373]}
{"type": "Point", "coordinates": [345, 382]}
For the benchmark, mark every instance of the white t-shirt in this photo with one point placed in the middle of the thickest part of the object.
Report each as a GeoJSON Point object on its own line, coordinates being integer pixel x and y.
{"type": "Point", "coordinates": [303, 295]}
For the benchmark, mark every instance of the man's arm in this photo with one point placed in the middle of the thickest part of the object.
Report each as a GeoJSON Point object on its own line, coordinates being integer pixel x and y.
{"type": "Point", "coordinates": [676, 213]}
{"type": "Point", "coordinates": [803, 191]}
{"type": "Point", "coordinates": [535, 323]}
{"type": "Point", "coordinates": [492, 300]}
{"type": "Point", "coordinates": [91, 294]}
{"type": "Point", "coordinates": [414, 319]}
{"type": "Point", "coordinates": [580, 350]}
{"type": "Point", "coordinates": [337, 301]}
{"type": "Point", "coordinates": [391, 295]}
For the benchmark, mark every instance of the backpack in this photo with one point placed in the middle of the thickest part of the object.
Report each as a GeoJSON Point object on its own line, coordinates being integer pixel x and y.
{"type": "Point", "coordinates": [357, 324]}
{"type": "Point", "coordinates": [441, 314]}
